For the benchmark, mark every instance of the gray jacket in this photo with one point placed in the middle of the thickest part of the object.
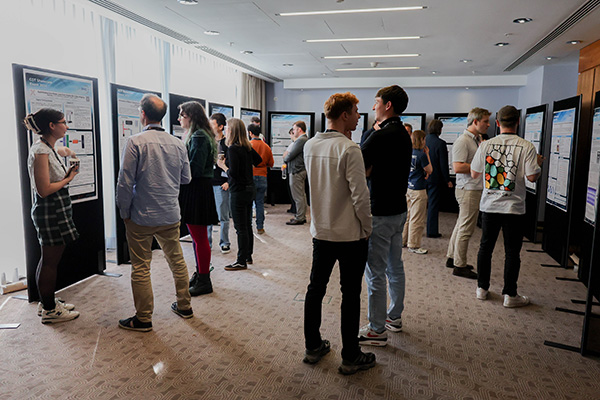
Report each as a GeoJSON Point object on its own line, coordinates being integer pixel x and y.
{"type": "Point", "coordinates": [295, 158]}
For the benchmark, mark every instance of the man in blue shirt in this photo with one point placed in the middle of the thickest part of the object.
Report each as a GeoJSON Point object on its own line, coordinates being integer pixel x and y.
{"type": "Point", "coordinates": [153, 166]}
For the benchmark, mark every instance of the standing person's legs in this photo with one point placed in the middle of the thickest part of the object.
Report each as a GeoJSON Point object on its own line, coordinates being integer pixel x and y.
{"type": "Point", "coordinates": [490, 230]}
{"type": "Point", "coordinates": [409, 205]}
{"type": "Point", "coordinates": [45, 274]}
{"type": "Point", "coordinates": [297, 187]}
{"type": "Point", "coordinates": [512, 230]}
{"type": "Point", "coordinates": [395, 268]}
{"type": "Point", "coordinates": [352, 259]}
{"type": "Point", "coordinates": [418, 217]}
{"type": "Point", "coordinates": [250, 195]}
{"type": "Point", "coordinates": [324, 258]}
{"type": "Point", "coordinates": [239, 218]}
{"type": "Point", "coordinates": [168, 238]}
{"type": "Point", "coordinates": [260, 182]}
{"type": "Point", "coordinates": [433, 209]}
{"type": "Point", "coordinates": [139, 240]}
{"type": "Point", "coordinates": [201, 247]}
{"type": "Point", "coordinates": [459, 194]}
{"type": "Point", "coordinates": [379, 252]}
{"type": "Point", "coordinates": [223, 210]}
{"type": "Point", "coordinates": [465, 225]}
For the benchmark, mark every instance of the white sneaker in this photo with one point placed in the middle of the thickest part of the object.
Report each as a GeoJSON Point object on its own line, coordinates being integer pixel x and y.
{"type": "Point", "coordinates": [417, 250]}
{"type": "Point", "coordinates": [367, 336]}
{"type": "Point", "coordinates": [515, 301]}
{"type": "Point", "coordinates": [482, 294]}
{"type": "Point", "coordinates": [393, 325]}
{"type": "Point", "coordinates": [59, 314]}
{"type": "Point", "coordinates": [68, 306]}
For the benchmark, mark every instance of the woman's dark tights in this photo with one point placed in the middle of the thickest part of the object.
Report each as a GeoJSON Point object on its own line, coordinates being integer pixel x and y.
{"type": "Point", "coordinates": [45, 275]}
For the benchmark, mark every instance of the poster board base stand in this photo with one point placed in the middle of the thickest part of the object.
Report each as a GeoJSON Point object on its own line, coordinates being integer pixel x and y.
{"type": "Point", "coordinates": [111, 274]}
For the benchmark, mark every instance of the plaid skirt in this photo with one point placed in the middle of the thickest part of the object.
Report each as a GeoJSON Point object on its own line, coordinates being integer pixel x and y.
{"type": "Point", "coordinates": [53, 219]}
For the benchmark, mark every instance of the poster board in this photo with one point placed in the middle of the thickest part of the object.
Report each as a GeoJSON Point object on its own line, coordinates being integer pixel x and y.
{"type": "Point", "coordinates": [224, 109]}
{"type": "Point", "coordinates": [280, 123]}
{"type": "Point", "coordinates": [454, 125]}
{"type": "Point", "coordinates": [361, 127]}
{"type": "Point", "coordinates": [246, 115]}
{"type": "Point", "coordinates": [592, 190]}
{"type": "Point", "coordinates": [125, 103]}
{"type": "Point", "coordinates": [416, 120]}
{"type": "Point", "coordinates": [174, 101]}
{"type": "Point", "coordinates": [77, 98]}
{"type": "Point", "coordinates": [533, 131]}
{"type": "Point", "coordinates": [563, 134]}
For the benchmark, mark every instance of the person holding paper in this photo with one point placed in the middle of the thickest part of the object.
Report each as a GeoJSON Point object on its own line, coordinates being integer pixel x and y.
{"type": "Point", "coordinates": [51, 212]}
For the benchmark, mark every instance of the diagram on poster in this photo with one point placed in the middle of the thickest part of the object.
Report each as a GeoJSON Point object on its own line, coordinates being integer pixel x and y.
{"type": "Point", "coordinates": [591, 203]}
{"type": "Point", "coordinates": [280, 137]}
{"type": "Point", "coordinates": [563, 126]}
{"type": "Point", "coordinates": [453, 128]}
{"type": "Point", "coordinates": [416, 121]}
{"type": "Point", "coordinates": [533, 133]}
{"type": "Point", "coordinates": [128, 115]}
{"type": "Point", "coordinates": [246, 115]}
{"type": "Point", "coordinates": [73, 97]}
{"type": "Point", "coordinates": [227, 111]}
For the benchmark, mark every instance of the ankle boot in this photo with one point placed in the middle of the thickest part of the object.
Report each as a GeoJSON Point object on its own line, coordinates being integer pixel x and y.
{"type": "Point", "coordinates": [194, 279]}
{"type": "Point", "coordinates": [203, 285]}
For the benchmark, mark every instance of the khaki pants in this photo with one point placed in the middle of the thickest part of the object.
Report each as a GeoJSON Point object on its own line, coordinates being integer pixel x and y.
{"type": "Point", "coordinates": [297, 187]}
{"type": "Point", "coordinates": [416, 202]}
{"type": "Point", "coordinates": [468, 204]}
{"type": "Point", "coordinates": [139, 239]}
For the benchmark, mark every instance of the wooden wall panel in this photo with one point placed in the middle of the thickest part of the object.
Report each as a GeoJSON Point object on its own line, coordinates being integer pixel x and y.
{"type": "Point", "coordinates": [589, 56]}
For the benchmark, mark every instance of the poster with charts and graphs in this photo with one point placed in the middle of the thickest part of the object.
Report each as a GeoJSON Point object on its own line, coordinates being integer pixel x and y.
{"type": "Point", "coordinates": [591, 203]}
{"type": "Point", "coordinates": [246, 115]}
{"type": "Point", "coordinates": [417, 121]}
{"type": "Point", "coordinates": [533, 133]}
{"type": "Point", "coordinates": [454, 126]}
{"type": "Point", "coordinates": [74, 97]}
{"type": "Point", "coordinates": [563, 126]}
{"type": "Point", "coordinates": [128, 115]}
{"type": "Point", "coordinates": [227, 111]}
{"type": "Point", "coordinates": [280, 125]}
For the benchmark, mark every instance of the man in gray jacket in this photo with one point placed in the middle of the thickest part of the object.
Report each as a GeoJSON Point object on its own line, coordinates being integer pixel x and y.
{"type": "Point", "coordinates": [295, 164]}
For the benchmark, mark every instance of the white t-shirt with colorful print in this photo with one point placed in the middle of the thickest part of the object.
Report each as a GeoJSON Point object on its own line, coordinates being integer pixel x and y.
{"type": "Point", "coordinates": [504, 162]}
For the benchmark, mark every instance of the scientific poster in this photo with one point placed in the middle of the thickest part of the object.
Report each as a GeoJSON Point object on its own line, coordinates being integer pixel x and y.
{"type": "Point", "coordinates": [247, 114]}
{"type": "Point", "coordinates": [563, 126]}
{"type": "Point", "coordinates": [416, 121]}
{"type": "Point", "coordinates": [280, 137]}
{"type": "Point", "coordinates": [453, 128]}
{"type": "Point", "coordinates": [533, 133]}
{"type": "Point", "coordinates": [227, 111]}
{"type": "Point", "coordinates": [128, 115]}
{"type": "Point", "coordinates": [74, 97]}
{"type": "Point", "coordinates": [591, 203]}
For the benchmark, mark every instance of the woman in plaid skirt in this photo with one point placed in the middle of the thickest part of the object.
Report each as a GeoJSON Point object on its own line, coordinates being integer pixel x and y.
{"type": "Point", "coordinates": [51, 211]}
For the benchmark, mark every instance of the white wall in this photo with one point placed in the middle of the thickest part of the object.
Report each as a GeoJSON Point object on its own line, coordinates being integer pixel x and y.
{"type": "Point", "coordinates": [67, 36]}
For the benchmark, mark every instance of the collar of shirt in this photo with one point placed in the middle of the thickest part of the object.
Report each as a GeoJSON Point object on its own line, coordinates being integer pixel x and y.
{"type": "Point", "coordinates": [477, 138]}
{"type": "Point", "coordinates": [153, 126]}
{"type": "Point", "coordinates": [391, 120]}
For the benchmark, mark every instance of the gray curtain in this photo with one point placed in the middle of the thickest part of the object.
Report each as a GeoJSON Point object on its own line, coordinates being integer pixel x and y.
{"type": "Point", "coordinates": [253, 94]}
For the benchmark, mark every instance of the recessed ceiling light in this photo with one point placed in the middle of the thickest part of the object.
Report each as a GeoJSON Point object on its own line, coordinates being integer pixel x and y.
{"type": "Point", "coordinates": [323, 74]}
{"type": "Point", "coordinates": [467, 88]}
{"type": "Point", "coordinates": [246, 52]}
{"type": "Point", "coordinates": [522, 20]}
{"type": "Point", "coordinates": [374, 56]}
{"type": "Point", "coordinates": [501, 44]}
{"type": "Point", "coordinates": [574, 42]}
{"type": "Point", "coordinates": [549, 58]}
{"type": "Point", "coordinates": [375, 68]}
{"type": "Point", "coordinates": [362, 39]}
{"type": "Point", "coordinates": [288, 65]}
{"type": "Point", "coordinates": [212, 33]}
{"type": "Point", "coordinates": [362, 10]}
{"type": "Point", "coordinates": [434, 72]}
{"type": "Point", "coordinates": [188, 2]}
{"type": "Point", "coordinates": [465, 61]}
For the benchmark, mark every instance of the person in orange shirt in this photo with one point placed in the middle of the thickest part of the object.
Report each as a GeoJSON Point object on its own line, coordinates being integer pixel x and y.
{"type": "Point", "coordinates": [260, 174]}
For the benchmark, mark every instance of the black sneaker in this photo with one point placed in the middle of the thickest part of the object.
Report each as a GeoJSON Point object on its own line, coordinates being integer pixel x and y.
{"type": "Point", "coordinates": [464, 272]}
{"type": "Point", "coordinates": [362, 362]}
{"type": "Point", "coordinates": [236, 267]}
{"type": "Point", "coordinates": [249, 260]}
{"type": "Point", "coordinates": [134, 324]}
{"type": "Point", "coordinates": [314, 356]}
{"type": "Point", "coordinates": [225, 249]}
{"type": "Point", "coordinates": [434, 235]}
{"type": "Point", "coordinates": [182, 313]}
{"type": "Point", "coordinates": [450, 264]}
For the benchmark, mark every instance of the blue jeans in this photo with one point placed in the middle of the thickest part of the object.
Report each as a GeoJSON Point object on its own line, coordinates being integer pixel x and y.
{"type": "Point", "coordinates": [385, 259]}
{"type": "Point", "coordinates": [223, 209]}
{"type": "Point", "coordinates": [261, 189]}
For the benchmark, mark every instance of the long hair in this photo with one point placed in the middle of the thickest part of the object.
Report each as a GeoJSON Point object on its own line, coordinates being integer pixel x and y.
{"type": "Point", "coordinates": [417, 139]}
{"type": "Point", "coordinates": [39, 122]}
{"type": "Point", "coordinates": [237, 134]}
{"type": "Point", "coordinates": [198, 121]}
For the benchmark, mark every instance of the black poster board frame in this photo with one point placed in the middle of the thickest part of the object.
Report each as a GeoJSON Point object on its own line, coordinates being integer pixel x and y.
{"type": "Point", "coordinates": [532, 199]}
{"type": "Point", "coordinates": [174, 101]}
{"type": "Point", "coordinates": [86, 256]}
{"type": "Point", "coordinates": [121, 239]}
{"type": "Point", "coordinates": [423, 120]}
{"type": "Point", "coordinates": [259, 112]}
{"type": "Point", "coordinates": [558, 224]}
{"type": "Point", "coordinates": [212, 105]}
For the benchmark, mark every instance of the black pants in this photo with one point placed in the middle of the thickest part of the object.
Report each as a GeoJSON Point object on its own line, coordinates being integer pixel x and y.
{"type": "Point", "coordinates": [434, 196]}
{"type": "Point", "coordinates": [352, 257]}
{"type": "Point", "coordinates": [512, 230]}
{"type": "Point", "coordinates": [241, 212]}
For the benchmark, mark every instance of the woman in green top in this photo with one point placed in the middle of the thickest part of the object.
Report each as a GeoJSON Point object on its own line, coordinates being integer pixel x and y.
{"type": "Point", "coordinates": [196, 199]}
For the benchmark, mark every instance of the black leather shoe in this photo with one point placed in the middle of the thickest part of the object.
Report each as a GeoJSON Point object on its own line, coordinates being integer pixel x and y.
{"type": "Point", "coordinates": [296, 222]}
{"type": "Point", "coordinates": [434, 235]}
{"type": "Point", "coordinates": [450, 264]}
{"type": "Point", "coordinates": [464, 272]}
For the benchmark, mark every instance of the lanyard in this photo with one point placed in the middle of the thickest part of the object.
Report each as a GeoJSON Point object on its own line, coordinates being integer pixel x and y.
{"type": "Point", "coordinates": [54, 151]}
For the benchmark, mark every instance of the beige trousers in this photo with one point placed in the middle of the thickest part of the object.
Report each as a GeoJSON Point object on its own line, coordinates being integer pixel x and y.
{"type": "Point", "coordinates": [416, 216]}
{"type": "Point", "coordinates": [468, 204]}
{"type": "Point", "coordinates": [139, 239]}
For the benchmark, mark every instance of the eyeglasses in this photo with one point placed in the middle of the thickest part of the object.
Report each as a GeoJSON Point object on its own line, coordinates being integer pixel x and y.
{"type": "Point", "coordinates": [183, 116]}
{"type": "Point", "coordinates": [61, 122]}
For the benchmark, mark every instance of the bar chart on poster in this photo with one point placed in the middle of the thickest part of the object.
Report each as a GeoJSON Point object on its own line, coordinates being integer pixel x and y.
{"type": "Point", "coordinates": [74, 98]}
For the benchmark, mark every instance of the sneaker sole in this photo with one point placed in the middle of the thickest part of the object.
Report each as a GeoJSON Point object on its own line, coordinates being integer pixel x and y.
{"type": "Point", "coordinates": [225, 251]}
{"type": "Point", "coordinates": [57, 320]}
{"type": "Point", "coordinates": [352, 369]}
{"type": "Point", "coordinates": [372, 342]}
{"type": "Point", "coordinates": [314, 359]}
{"type": "Point", "coordinates": [393, 328]}
{"type": "Point", "coordinates": [235, 269]}
{"type": "Point", "coordinates": [515, 305]}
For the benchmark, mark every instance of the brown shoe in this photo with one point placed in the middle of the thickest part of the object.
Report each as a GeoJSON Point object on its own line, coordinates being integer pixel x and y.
{"type": "Point", "coordinates": [464, 272]}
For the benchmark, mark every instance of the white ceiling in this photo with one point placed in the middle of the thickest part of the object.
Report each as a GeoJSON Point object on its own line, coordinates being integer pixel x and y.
{"type": "Point", "coordinates": [451, 29]}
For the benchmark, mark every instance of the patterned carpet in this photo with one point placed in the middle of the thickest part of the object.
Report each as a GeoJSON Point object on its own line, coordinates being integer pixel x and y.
{"type": "Point", "coordinates": [246, 340]}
